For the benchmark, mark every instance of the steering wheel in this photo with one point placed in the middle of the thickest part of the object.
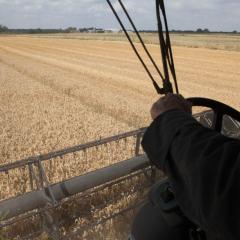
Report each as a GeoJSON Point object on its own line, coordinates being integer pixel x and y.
{"type": "Point", "coordinates": [219, 110]}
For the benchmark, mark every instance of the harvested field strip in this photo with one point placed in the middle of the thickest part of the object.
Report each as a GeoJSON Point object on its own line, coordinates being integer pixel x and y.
{"type": "Point", "coordinates": [206, 55]}
{"type": "Point", "coordinates": [185, 62]}
{"type": "Point", "coordinates": [86, 47]}
{"type": "Point", "coordinates": [80, 68]}
{"type": "Point", "coordinates": [100, 84]}
{"type": "Point", "coordinates": [81, 63]}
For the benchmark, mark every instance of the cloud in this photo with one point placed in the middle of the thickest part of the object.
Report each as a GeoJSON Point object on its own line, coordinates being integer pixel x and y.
{"type": "Point", "coordinates": [217, 15]}
{"type": "Point", "coordinates": [183, 14]}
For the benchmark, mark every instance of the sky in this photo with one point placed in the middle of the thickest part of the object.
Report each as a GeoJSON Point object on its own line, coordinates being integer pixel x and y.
{"type": "Point", "coordinates": [216, 15]}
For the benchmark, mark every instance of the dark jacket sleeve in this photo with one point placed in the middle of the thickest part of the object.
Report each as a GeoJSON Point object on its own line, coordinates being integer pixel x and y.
{"type": "Point", "coordinates": [203, 167]}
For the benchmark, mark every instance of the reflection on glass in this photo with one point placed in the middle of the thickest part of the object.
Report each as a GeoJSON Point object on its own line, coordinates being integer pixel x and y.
{"type": "Point", "coordinates": [205, 118]}
{"type": "Point", "coordinates": [230, 126]}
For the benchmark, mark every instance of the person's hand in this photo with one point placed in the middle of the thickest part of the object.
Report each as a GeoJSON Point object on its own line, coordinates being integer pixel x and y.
{"type": "Point", "coordinates": [170, 102]}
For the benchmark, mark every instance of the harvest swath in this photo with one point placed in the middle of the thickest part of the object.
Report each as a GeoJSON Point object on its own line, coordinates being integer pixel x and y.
{"type": "Point", "coordinates": [57, 93]}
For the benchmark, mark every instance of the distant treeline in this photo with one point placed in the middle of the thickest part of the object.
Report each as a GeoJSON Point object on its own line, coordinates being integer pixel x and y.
{"type": "Point", "coordinates": [4, 29]}
{"type": "Point", "coordinates": [199, 30]}
{"type": "Point", "coordinates": [33, 31]}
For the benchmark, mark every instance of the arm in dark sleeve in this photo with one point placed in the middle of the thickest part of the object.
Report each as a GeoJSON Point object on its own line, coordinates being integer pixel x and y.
{"type": "Point", "coordinates": [203, 167]}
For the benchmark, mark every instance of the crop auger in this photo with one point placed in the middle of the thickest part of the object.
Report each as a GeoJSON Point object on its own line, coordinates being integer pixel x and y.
{"type": "Point", "coordinates": [44, 209]}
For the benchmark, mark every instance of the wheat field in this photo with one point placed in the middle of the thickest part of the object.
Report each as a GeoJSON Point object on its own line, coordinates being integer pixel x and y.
{"type": "Point", "coordinates": [57, 92]}
{"type": "Point", "coordinates": [62, 92]}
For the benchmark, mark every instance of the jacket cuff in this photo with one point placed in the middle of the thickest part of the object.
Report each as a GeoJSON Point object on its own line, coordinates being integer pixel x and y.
{"type": "Point", "coordinates": [159, 136]}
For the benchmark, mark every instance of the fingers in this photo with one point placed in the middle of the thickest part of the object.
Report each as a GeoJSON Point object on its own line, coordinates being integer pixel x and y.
{"type": "Point", "coordinates": [178, 99]}
{"type": "Point", "coordinates": [170, 102]}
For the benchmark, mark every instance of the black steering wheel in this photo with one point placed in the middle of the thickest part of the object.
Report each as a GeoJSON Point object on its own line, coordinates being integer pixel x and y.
{"type": "Point", "coordinates": [219, 110]}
